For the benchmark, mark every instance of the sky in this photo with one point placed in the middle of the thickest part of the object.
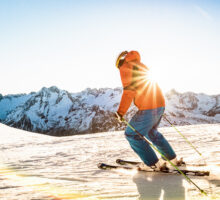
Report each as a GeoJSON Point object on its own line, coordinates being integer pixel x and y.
{"type": "Point", "coordinates": [74, 44]}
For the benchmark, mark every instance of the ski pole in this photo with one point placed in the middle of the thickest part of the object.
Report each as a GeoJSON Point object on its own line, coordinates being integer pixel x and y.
{"type": "Point", "coordinates": [182, 135]}
{"type": "Point", "coordinates": [146, 140]}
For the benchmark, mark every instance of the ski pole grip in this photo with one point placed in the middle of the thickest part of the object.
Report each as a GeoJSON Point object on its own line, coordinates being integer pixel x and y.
{"type": "Point", "coordinates": [119, 117]}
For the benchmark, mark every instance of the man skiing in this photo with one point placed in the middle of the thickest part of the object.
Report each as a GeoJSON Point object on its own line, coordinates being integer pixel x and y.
{"type": "Point", "coordinates": [148, 98]}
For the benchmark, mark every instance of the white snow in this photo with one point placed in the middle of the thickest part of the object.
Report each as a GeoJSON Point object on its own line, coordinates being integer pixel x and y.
{"type": "Point", "coordinates": [205, 102]}
{"type": "Point", "coordinates": [35, 166]}
{"type": "Point", "coordinates": [9, 103]}
{"type": "Point", "coordinates": [104, 99]}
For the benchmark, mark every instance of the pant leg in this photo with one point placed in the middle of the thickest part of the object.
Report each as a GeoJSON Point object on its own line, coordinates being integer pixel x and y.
{"type": "Point", "coordinates": [159, 140]}
{"type": "Point", "coordinates": [146, 122]}
{"type": "Point", "coordinates": [140, 146]}
{"type": "Point", "coordinates": [142, 149]}
{"type": "Point", "coordinates": [162, 144]}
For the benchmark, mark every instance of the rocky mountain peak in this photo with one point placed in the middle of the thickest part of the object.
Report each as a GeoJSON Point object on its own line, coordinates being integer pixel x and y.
{"type": "Point", "coordinates": [58, 112]}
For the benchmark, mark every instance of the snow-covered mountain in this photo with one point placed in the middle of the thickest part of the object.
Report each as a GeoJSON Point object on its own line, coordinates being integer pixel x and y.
{"type": "Point", "coordinates": [10, 102]}
{"type": "Point", "coordinates": [58, 112]}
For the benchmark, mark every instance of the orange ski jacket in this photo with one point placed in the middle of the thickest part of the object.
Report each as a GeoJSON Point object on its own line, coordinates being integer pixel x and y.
{"type": "Point", "coordinates": [137, 86]}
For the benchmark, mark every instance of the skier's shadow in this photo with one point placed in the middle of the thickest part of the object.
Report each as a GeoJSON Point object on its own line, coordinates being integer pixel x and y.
{"type": "Point", "coordinates": [151, 186]}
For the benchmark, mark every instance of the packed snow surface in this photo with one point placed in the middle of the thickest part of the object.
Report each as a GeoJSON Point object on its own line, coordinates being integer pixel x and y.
{"type": "Point", "coordinates": [35, 166]}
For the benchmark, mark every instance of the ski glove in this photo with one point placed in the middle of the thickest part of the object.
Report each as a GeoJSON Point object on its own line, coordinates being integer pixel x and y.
{"type": "Point", "coordinates": [119, 117]}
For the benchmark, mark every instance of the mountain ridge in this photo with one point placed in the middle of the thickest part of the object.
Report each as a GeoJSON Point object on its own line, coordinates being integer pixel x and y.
{"type": "Point", "coordinates": [57, 112]}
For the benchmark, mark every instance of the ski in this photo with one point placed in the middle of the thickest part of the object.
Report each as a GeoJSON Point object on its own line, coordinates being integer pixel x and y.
{"type": "Point", "coordinates": [125, 162]}
{"type": "Point", "coordinates": [170, 171]}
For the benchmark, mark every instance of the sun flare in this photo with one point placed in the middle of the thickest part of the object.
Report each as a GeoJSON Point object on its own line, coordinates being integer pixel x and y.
{"type": "Point", "coordinates": [152, 76]}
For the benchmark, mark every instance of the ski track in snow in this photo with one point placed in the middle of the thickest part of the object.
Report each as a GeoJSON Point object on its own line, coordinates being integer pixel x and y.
{"type": "Point", "coordinates": [35, 166]}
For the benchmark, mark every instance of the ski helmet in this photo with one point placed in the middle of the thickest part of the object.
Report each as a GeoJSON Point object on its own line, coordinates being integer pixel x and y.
{"type": "Point", "coordinates": [120, 58]}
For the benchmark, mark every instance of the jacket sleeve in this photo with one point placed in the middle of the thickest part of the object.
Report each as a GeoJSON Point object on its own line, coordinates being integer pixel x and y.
{"type": "Point", "coordinates": [126, 99]}
{"type": "Point", "coordinates": [128, 90]}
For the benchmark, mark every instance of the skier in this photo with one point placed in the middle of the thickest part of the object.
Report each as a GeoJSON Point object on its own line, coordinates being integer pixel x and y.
{"type": "Point", "coordinates": [148, 98]}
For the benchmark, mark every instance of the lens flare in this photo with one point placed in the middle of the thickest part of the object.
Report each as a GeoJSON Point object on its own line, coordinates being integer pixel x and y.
{"type": "Point", "coordinates": [143, 75]}
{"type": "Point", "coordinates": [51, 189]}
{"type": "Point", "coordinates": [151, 76]}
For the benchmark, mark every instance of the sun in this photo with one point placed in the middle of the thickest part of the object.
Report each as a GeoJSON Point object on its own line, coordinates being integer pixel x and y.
{"type": "Point", "coordinates": [151, 76]}
{"type": "Point", "coordinates": [158, 77]}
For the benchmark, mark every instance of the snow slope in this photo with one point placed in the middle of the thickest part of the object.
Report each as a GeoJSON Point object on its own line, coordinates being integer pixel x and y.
{"type": "Point", "coordinates": [36, 166]}
{"type": "Point", "coordinates": [57, 112]}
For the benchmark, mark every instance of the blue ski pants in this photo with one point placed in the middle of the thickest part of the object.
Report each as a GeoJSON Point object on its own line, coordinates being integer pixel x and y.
{"type": "Point", "coordinates": [146, 123]}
